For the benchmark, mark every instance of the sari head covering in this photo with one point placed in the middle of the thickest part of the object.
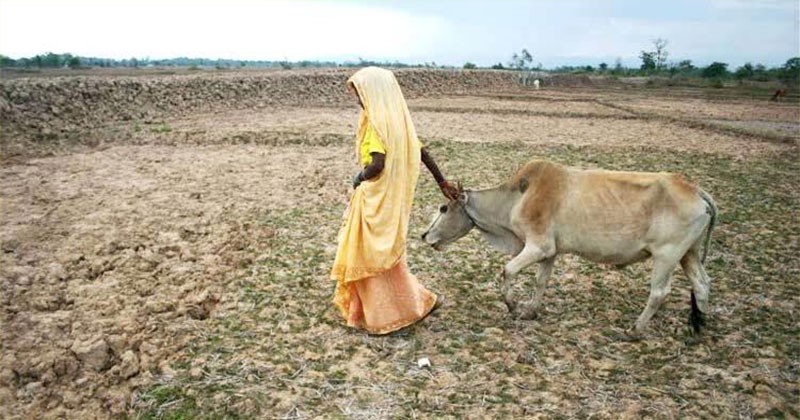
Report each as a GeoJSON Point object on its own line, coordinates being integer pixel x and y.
{"type": "Point", "coordinates": [373, 237]}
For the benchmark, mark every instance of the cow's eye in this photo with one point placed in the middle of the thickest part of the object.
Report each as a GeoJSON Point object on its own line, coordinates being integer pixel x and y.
{"type": "Point", "coordinates": [443, 209]}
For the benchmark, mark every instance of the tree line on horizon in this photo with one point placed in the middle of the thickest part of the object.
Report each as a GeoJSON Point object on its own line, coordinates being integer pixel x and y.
{"type": "Point", "coordinates": [67, 60]}
{"type": "Point", "coordinates": [653, 63]}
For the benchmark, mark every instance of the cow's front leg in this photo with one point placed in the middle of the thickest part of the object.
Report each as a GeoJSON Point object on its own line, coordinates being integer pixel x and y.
{"type": "Point", "coordinates": [529, 255]}
{"type": "Point", "coordinates": [529, 309]}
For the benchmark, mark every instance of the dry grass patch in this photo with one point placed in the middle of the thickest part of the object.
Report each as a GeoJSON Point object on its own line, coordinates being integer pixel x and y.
{"type": "Point", "coordinates": [279, 349]}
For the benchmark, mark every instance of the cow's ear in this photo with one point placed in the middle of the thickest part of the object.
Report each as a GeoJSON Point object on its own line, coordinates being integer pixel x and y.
{"type": "Point", "coordinates": [463, 197]}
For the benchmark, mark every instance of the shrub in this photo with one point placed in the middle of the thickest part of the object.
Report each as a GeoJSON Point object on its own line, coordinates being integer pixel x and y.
{"type": "Point", "coordinates": [747, 71]}
{"type": "Point", "coordinates": [790, 73]}
{"type": "Point", "coordinates": [715, 70]}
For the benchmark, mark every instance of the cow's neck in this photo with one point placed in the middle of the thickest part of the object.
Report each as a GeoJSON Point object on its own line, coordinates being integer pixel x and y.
{"type": "Point", "coordinates": [490, 210]}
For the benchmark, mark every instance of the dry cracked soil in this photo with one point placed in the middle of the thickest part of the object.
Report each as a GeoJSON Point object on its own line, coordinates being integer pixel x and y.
{"type": "Point", "coordinates": [179, 269]}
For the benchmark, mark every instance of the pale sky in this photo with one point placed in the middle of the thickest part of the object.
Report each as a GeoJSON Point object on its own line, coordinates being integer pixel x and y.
{"type": "Point", "coordinates": [556, 32]}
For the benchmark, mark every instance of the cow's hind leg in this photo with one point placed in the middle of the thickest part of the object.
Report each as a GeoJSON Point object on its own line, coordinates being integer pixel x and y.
{"type": "Point", "coordinates": [665, 258]}
{"type": "Point", "coordinates": [659, 289]}
{"type": "Point", "coordinates": [528, 310]}
{"type": "Point", "coordinates": [529, 255]}
{"type": "Point", "coordinates": [700, 287]}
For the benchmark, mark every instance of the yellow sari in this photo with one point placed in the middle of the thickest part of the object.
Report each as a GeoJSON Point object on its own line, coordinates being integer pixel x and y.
{"type": "Point", "coordinates": [375, 290]}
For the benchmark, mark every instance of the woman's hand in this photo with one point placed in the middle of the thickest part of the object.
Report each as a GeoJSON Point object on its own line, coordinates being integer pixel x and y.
{"type": "Point", "coordinates": [449, 190]}
{"type": "Point", "coordinates": [358, 178]}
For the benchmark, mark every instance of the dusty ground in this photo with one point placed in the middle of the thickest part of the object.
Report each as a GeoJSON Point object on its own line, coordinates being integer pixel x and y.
{"type": "Point", "coordinates": [178, 269]}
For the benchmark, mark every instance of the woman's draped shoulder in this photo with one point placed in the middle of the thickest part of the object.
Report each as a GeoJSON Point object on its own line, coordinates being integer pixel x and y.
{"type": "Point", "coordinates": [374, 234]}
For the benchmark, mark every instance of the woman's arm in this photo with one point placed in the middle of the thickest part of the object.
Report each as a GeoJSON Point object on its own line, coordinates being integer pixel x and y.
{"type": "Point", "coordinates": [448, 190]}
{"type": "Point", "coordinates": [427, 159]}
{"type": "Point", "coordinates": [379, 160]}
{"type": "Point", "coordinates": [372, 170]}
{"type": "Point", "coordinates": [375, 167]}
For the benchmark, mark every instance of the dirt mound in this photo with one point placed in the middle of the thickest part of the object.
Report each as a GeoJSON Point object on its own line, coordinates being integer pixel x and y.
{"type": "Point", "coordinates": [49, 107]}
{"type": "Point", "coordinates": [576, 80]}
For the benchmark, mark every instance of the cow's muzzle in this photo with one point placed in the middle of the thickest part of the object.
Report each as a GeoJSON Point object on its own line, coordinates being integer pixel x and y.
{"type": "Point", "coordinates": [436, 245]}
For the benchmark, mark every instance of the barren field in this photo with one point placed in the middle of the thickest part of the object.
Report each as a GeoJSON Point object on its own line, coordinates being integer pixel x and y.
{"type": "Point", "coordinates": [176, 266]}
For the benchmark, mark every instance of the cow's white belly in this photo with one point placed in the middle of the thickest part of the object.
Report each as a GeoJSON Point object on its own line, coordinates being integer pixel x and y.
{"type": "Point", "coordinates": [604, 249]}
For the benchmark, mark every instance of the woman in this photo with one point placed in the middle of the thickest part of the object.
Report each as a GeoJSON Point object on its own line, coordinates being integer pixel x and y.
{"type": "Point", "coordinates": [375, 291]}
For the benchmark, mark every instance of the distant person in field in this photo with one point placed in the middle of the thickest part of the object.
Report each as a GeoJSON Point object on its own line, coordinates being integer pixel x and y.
{"type": "Point", "coordinates": [778, 94]}
{"type": "Point", "coordinates": [375, 290]}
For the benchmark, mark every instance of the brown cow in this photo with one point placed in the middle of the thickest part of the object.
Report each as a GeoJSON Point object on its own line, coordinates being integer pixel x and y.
{"type": "Point", "coordinates": [617, 218]}
{"type": "Point", "coordinates": [780, 93]}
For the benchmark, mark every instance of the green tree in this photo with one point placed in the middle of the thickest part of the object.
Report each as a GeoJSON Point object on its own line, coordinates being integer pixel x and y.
{"type": "Point", "coordinates": [51, 60]}
{"type": "Point", "coordinates": [715, 69]}
{"type": "Point", "coordinates": [790, 72]}
{"type": "Point", "coordinates": [74, 62]}
{"type": "Point", "coordinates": [7, 61]}
{"type": "Point", "coordinates": [469, 65]}
{"type": "Point", "coordinates": [686, 66]}
{"type": "Point", "coordinates": [655, 60]}
{"type": "Point", "coordinates": [603, 67]}
{"type": "Point", "coordinates": [648, 61]}
{"type": "Point", "coordinates": [744, 72]}
{"type": "Point", "coordinates": [521, 61]}
{"type": "Point", "coordinates": [526, 57]}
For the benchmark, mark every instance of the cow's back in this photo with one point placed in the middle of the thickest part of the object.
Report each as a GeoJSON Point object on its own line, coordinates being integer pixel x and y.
{"type": "Point", "coordinates": [606, 216]}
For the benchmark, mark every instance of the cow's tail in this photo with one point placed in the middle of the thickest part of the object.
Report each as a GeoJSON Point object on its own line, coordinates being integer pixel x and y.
{"type": "Point", "coordinates": [696, 319]}
{"type": "Point", "coordinates": [712, 211]}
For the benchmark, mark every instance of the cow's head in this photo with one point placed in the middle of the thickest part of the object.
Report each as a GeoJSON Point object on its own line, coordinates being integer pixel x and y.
{"type": "Point", "coordinates": [450, 223]}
